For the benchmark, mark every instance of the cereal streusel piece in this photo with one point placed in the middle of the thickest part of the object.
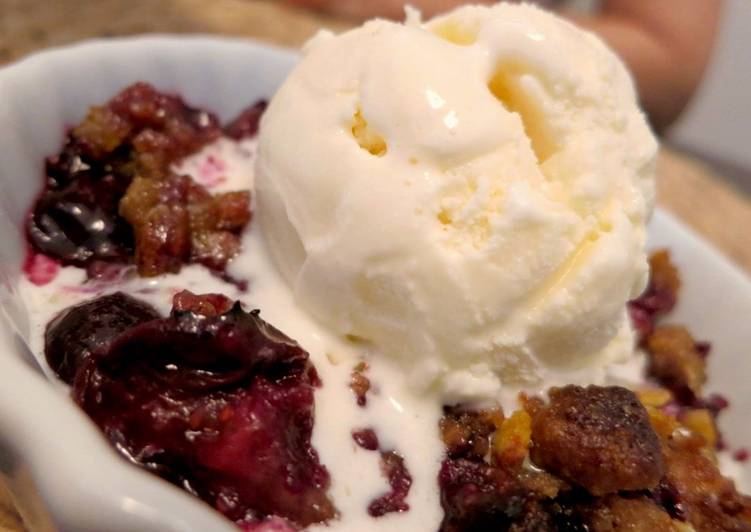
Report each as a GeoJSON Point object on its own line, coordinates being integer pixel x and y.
{"type": "Point", "coordinates": [675, 361]}
{"type": "Point", "coordinates": [511, 441]}
{"type": "Point", "coordinates": [175, 220]}
{"type": "Point", "coordinates": [660, 296]}
{"type": "Point", "coordinates": [599, 438]}
{"type": "Point", "coordinates": [467, 433]}
{"type": "Point", "coordinates": [617, 514]}
{"type": "Point", "coordinates": [360, 384]}
{"type": "Point", "coordinates": [706, 499]}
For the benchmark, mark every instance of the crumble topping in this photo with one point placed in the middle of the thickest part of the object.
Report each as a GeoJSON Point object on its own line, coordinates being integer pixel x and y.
{"type": "Point", "coordinates": [660, 296]}
{"type": "Point", "coordinates": [111, 196]}
{"type": "Point", "coordinates": [597, 438]}
{"type": "Point", "coordinates": [676, 361]}
{"type": "Point", "coordinates": [600, 459]}
{"type": "Point", "coordinates": [360, 383]}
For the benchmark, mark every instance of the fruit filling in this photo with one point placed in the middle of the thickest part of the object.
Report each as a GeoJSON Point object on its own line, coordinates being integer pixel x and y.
{"type": "Point", "coordinates": [211, 398]}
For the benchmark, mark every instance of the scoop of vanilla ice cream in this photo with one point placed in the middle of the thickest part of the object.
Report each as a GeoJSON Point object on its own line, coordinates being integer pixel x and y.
{"type": "Point", "coordinates": [468, 194]}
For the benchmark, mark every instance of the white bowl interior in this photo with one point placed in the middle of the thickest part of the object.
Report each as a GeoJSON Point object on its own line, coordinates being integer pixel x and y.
{"type": "Point", "coordinates": [47, 440]}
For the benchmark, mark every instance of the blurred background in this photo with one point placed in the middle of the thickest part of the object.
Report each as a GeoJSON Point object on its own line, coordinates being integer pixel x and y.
{"type": "Point", "coordinates": [714, 125]}
{"type": "Point", "coordinates": [717, 122]}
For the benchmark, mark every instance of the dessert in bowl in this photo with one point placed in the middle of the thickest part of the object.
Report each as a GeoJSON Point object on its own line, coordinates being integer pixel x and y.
{"type": "Point", "coordinates": [383, 450]}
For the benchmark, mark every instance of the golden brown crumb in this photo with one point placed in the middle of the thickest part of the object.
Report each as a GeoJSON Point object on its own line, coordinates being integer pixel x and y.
{"type": "Point", "coordinates": [359, 383]}
{"type": "Point", "coordinates": [176, 220]}
{"type": "Point", "coordinates": [700, 421]}
{"type": "Point", "coordinates": [675, 360]}
{"type": "Point", "coordinates": [599, 438]}
{"type": "Point", "coordinates": [616, 514]}
{"type": "Point", "coordinates": [707, 500]}
{"type": "Point", "coordinates": [663, 273]}
{"type": "Point", "coordinates": [654, 397]}
{"type": "Point", "coordinates": [468, 433]}
{"type": "Point", "coordinates": [511, 440]}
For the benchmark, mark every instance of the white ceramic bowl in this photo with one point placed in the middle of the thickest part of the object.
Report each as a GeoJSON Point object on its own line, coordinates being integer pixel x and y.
{"type": "Point", "coordinates": [62, 473]}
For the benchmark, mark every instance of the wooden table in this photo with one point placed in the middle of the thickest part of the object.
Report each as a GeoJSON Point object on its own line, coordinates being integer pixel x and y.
{"type": "Point", "coordinates": [685, 186]}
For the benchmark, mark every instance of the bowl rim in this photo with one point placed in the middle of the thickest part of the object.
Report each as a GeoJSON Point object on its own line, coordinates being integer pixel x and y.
{"type": "Point", "coordinates": [154, 39]}
{"type": "Point", "coordinates": [85, 492]}
{"type": "Point", "coordinates": [99, 490]}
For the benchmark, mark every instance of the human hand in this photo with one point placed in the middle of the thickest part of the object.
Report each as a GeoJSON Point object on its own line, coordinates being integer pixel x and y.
{"type": "Point", "coordinates": [381, 8]}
